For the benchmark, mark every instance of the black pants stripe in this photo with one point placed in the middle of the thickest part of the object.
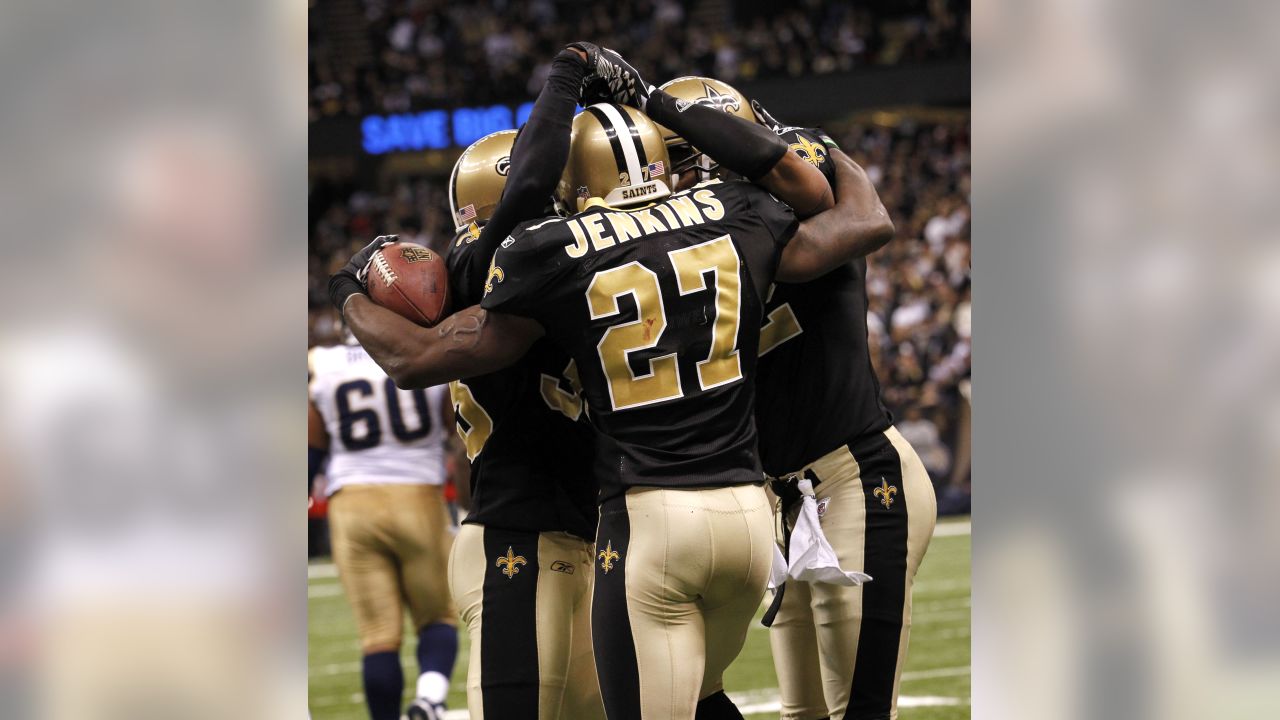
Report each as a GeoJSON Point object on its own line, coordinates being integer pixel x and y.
{"type": "Point", "coordinates": [885, 552]}
{"type": "Point", "coordinates": [610, 623]}
{"type": "Point", "coordinates": [525, 599]}
{"type": "Point", "coordinates": [509, 643]}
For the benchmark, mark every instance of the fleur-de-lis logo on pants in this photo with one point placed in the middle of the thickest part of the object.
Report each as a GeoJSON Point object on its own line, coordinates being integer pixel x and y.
{"type": "Point", "coordinates": [608, 556]}
{"type": "Point", "coordinates": [510, 563]}
{"type": "Point", "coordinates": [885, 492]}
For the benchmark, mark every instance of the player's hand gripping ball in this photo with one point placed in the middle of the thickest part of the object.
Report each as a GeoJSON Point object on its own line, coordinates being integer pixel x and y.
{"type": "Point", "coordinates": [411, 280]}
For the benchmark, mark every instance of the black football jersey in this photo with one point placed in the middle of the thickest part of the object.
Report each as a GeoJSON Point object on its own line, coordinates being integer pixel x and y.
{"type": "Point", "coordinates": [816, 388]}
{"type": "Point", "coordinates": [530, 445]}
{"type": "Point", "coordinates": [660, 309]}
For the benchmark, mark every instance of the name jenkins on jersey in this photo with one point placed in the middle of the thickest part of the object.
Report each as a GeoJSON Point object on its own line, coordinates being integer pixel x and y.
{"type": "Point", "coordinates": [660, 309]}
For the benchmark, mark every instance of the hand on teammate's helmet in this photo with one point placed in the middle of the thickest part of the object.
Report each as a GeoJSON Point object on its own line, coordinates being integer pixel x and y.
{"type": "Point", "coordinates": [610, 78]}
{"type": "Point", "coordinates": [765, 117]}
{"type": "Point", "coordinates": [574, 53]}
{"type": "Point", "coordinates": [350, 279]}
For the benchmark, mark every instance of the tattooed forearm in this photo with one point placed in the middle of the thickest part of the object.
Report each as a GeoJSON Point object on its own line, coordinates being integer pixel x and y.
{"type": "Point", "coordinates": [467, 343]}
{"type": "Point", "coordinates": [463, 331]}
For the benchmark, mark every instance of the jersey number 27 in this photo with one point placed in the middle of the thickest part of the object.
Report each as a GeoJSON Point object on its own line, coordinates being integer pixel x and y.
{"type": "Point", "coordinates": [721, 366]}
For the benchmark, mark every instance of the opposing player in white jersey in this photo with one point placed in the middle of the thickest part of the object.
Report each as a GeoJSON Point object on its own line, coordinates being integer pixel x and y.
{"type": "Point", "coordinates": [386, 452]}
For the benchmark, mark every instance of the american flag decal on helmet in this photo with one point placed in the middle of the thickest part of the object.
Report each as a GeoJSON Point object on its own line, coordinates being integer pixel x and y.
{"type": "Point", "coordinates": [656, 169]}
{"type": "Point", "coordinates": [466, 214]}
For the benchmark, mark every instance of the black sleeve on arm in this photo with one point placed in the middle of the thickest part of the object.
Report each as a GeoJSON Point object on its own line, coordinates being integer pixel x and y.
{"type": "Point", "coordinates": [777, 216]}
{"type": "Point", "coordinates": [539, 155]}
{"type": "Point", "coordinates": [746, 148]}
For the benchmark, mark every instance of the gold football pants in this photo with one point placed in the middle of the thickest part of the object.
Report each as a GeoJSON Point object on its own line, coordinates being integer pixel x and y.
{"type": "Point", "coordinates": [839, 650]}
{"type": "Point", "coordinates": [679, 575]}
{"type": "Point", "coordinates": [526, 600]}
{"type": "Point", "coordinates": [391, 547]}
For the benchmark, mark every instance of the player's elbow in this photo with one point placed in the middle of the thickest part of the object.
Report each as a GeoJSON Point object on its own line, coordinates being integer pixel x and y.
{"type": "Point", "coordinates": [880, 233]}
{"type": "Point", "coordinates": [407, 374]}
{"type": "Point", "coordinates": [800, 185]}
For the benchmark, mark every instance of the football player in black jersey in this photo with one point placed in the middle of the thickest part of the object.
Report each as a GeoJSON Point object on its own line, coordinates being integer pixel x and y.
{"type": "Point", "coordinates": [520, 571]}
{"type": "Point", "coordinates": [660, 307]}
{"type": "Point", "coordinates": [838, 650]}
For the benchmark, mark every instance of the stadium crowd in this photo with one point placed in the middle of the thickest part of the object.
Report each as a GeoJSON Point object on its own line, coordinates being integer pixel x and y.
{"type": "Point", "coordinates": [434, 52]}
{"type": "Point", "coordinates": [918, 286]}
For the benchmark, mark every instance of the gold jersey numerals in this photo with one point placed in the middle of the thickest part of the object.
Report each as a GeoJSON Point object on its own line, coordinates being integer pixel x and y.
{"type": "Point", "coordinates": [662, 382]}
{"type": "Point", "coordinates": [722, 365]}
{"type": "Point", "coordinates": [781, 325]}
{"type": "Point", "coordinates": [568, 402]}
{"type": "Point", "coordinates": [479, 426]}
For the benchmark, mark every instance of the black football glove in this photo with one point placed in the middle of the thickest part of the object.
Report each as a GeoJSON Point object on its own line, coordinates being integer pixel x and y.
{"type": "Point", "coordinates": [610, 78]}
{"type": "Point", "coordinates": [351, 278]}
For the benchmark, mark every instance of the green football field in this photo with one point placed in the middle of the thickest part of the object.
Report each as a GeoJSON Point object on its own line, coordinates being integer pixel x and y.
{"type": "Point", "coordinates": [935, 682]}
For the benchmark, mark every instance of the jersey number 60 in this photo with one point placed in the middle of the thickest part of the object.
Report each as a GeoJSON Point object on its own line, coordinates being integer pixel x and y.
{"type": "Point", "coordinates": [370, 418]}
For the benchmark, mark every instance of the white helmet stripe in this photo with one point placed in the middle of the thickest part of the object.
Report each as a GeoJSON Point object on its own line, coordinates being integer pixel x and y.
{"type": "Point", "coordinates": [625, 139]}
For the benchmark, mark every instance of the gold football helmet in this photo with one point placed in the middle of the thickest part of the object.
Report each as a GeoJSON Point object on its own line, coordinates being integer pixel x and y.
{"type": "Point", "coordinates": [702, 91]}
{"type": "Point", "coordinates": [615, 153]}
{"type": "Point", "coordinates": [475, 185]}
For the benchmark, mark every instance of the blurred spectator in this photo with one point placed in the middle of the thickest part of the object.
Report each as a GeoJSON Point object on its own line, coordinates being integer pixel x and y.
{"type": "Point", "coordinates": [400, 55]}
{"type": "Point", "coordinates": [923, 435]}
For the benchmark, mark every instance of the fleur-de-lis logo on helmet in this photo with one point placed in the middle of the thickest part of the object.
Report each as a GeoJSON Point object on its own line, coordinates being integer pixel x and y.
{"type": "Point", "coordinates": [510, 563]}
{"type": "Point", "coordinates": [608, 556]}
{"type": "Point", "coordinates": [885, 492]}
{"type": "Point", "coordinates": [718, 100]}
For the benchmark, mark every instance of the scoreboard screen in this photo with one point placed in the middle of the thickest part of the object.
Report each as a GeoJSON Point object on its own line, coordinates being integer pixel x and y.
{"type": "Point", "coordinates": [438, 129]}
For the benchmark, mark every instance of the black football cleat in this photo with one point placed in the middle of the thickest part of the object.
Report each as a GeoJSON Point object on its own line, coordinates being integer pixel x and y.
{"type": "Point", "coordinates": [422, 710]}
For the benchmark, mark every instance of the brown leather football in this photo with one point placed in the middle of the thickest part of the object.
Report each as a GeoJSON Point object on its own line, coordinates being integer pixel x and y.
{"type": "Point", "coordinates": [411, 280]}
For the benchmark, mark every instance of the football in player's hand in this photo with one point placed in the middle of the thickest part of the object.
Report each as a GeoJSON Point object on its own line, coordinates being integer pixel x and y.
{"type": "Point", "coordinates": [411, 280]}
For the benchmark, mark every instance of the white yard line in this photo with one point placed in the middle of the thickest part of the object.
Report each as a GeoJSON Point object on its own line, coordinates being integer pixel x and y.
{"type": "Point", "coordinates": [321, 571]}
{"type": "Point", "coordinates": [942, 617]}
{"type": "Point", "coordinates": [952, 528]}
{"type": "Point", "coordinates": [936, 673]}
{"type": "Point", "coordinates": [326, 590]}
{"type": "Point", "coordinates": [940, 586]}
